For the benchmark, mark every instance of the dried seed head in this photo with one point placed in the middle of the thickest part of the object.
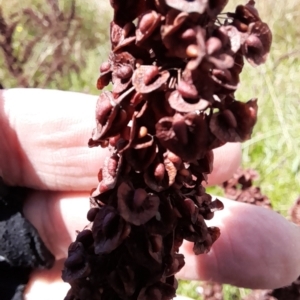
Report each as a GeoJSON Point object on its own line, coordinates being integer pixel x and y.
{"type": "Point", "coordinates": [174, 75]}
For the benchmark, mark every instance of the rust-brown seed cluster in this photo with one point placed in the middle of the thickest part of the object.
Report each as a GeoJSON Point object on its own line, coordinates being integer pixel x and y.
{"type": "Point", "coordinates": [174, 66]}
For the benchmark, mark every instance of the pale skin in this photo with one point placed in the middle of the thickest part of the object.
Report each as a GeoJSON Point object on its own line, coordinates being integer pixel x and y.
{"type": "Point", "coordinates": [44, 147]}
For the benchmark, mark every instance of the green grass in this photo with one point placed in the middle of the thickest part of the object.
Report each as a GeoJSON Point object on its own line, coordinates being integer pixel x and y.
{"type": "Point", "coordinates": [274, 150]}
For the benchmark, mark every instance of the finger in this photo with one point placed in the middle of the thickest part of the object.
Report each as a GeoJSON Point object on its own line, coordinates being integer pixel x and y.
{"type": "Point", "coordinates": [258, 248]}
{"type": "Point", "coordinates": [44, 136]}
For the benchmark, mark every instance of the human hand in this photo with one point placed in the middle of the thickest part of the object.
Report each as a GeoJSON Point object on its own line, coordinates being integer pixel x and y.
{"type": "Point", "coordinates": [44, 146]}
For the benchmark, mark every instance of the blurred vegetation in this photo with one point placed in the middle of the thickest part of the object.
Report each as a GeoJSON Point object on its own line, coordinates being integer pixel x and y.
{"type": "Point", "coordinates": [61, 43]}
{"type": "Point", "coordinates": [52, 43]}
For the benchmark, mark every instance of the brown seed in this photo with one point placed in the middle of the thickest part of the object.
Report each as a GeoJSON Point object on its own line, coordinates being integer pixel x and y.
{"type": "Point", "coordinates": [192, 51]}
{"type": "Point", "coordinates": [142, 132]}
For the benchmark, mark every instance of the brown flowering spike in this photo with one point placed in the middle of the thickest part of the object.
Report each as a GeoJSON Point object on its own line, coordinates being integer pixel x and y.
{"type": "Point", "coordinates": [174, 66]}
{"type": "Point", "coordinates": [136, 206]}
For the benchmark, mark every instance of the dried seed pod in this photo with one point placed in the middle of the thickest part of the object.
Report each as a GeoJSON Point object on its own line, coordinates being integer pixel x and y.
{"type": "Point", "coordinates": [136, 206]}
{"type": "Point", "coordinates": [146, 79]}
{"type": "Point", "coordinates": [148, 22]}
{"type": "Point", "coordinates": [257, 46]}
{"type": "Point", "coordinates": [173, 75]}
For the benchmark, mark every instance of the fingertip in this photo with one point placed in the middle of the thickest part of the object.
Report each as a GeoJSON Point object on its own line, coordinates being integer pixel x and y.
{"type": "Point", "coordinates": [258, 249]}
